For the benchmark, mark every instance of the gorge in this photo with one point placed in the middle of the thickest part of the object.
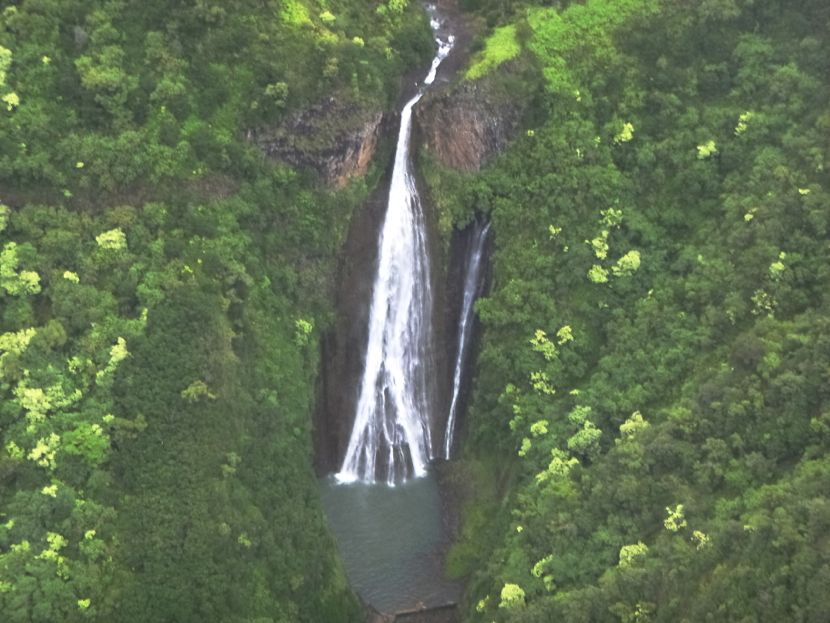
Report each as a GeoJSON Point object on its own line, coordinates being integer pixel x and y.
{"type": "Point", "coordinates": [238, 345]}
{"type": "Point", "coordinates": [391, 433]}
{"type": "Point", "coordinates": [384, 504]}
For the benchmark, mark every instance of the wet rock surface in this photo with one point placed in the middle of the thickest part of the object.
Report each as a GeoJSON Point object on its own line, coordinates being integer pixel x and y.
{"type": "Point", "coordinates": [438, 614]}
{"type": "Point", "coordinates": [344, 345]}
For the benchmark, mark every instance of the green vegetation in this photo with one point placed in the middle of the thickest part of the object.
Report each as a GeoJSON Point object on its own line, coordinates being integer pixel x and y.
{"type": "Point", "coordinates": [499, 47]}
{"type": "Point", "coordinates": [670, 461]}
{"type": "Point", "coordinates": [648, 439]}
{"type": "Point", "coordinates": [162, 290]}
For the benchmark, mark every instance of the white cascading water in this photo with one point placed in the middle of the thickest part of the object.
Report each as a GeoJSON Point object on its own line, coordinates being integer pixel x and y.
{"type": "Point", "coordinates": [390, 439]}
{"type": "Point", "coordinates": [472, 287]}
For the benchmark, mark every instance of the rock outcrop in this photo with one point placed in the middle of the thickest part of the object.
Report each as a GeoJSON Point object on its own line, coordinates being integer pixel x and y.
{"type": "Point", "coordinates": [337, 140]}
{"type": "Point", "coordinates": [436, 614]}
{"type": "Point", "coordinates": [466, 125]}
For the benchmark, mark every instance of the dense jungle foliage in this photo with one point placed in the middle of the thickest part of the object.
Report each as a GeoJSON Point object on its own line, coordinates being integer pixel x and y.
{"type": "Point", "coordinates": [162, 287]}
{"type": "Point", "coordinates": [656, 350]}
{"type": "Point", "coordinates": [648, 437]}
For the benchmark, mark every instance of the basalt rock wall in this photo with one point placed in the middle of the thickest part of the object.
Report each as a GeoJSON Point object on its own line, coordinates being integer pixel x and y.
{"type": "Point", "coordinates": [466, 124]}
{"type": "Point", "coordinates": [343, 346]}
{"type": "Point", "coordinates": [462, 124]}
{"type": "Point", "coordinates": [335, 139]}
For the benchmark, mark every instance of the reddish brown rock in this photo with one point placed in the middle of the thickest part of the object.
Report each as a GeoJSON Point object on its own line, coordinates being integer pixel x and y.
{"type": "Point", "coordinates": [466, 125]}
{"type": "Point", "coordinates": [335, 139]}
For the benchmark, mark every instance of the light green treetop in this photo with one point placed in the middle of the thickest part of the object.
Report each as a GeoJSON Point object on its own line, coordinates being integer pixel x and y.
{"type": "Point", "coordinates": [629, 554]}
{"type": "Point", "coordinates": [512, 596]}
{"type": "Point", "coordinates": [113, 239]}
{"type": "Point", "coordinates": [13, 282]}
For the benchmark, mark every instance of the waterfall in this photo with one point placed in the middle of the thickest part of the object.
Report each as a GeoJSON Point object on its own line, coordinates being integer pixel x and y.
{"type": "Point", "coordinates": [472, 288]}
{"type": "Point", "coordinates": [390, 439]}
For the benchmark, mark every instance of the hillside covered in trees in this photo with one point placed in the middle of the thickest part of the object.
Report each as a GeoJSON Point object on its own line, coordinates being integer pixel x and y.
{"type": "Point", "coordinates": [648, 434]}
{"type": "Point", "coordinates": [162, 286]}
{"type": "Point", "coordinates": [655, 354]}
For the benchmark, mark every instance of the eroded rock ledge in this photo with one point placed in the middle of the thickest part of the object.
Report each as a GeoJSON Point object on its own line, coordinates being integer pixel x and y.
{"type": "Point", "coordinates": [467, 124]}
{"type": "Point", "coordinates": [335, 139]}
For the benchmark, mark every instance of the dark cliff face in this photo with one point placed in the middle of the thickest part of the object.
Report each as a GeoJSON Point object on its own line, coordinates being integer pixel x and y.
{"type": "Point", "coordinates": [343, 345]}
{"type": "Point", "coordinates": [335, 139]}
{"type": "Point", "coordinates": [465, 125]}
{"type": "Point", "coordinates": [454, 276]}
{"type": "Point", "coordinates": [343, 348]}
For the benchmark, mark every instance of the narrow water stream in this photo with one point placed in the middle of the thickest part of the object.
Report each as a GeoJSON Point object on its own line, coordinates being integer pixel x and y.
{"type": "Point", "coordinates": [473, 285]}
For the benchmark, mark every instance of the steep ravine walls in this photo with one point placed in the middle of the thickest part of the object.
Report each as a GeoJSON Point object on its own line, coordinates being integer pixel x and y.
{"type": "Point", "coordinates": [464, 128]}
{"type": "Point", "coordinates": [343, 346]}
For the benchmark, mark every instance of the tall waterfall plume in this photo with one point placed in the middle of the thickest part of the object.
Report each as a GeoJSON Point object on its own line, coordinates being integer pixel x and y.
{"type": "Point", "coordinates": [472, 289]}
{"type": "Point", "coordinates": [390, 438]}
